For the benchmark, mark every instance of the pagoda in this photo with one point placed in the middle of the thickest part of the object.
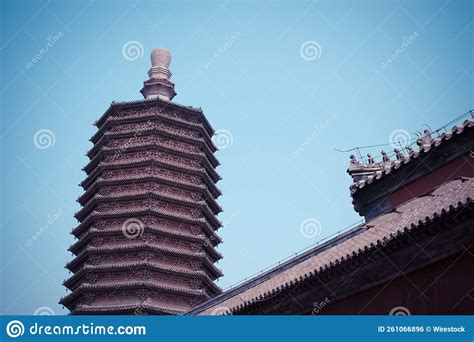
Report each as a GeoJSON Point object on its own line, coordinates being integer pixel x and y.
{"type": "Point", "coordinates": [146, 237]}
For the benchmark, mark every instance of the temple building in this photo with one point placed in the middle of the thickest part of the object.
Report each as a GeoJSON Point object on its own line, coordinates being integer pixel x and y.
{"type": "Point", "coordinates": [412, 255]}
{"type": "Point", "coordinates": [146, 237]}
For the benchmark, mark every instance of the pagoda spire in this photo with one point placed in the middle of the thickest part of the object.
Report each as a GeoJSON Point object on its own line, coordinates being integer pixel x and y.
{"type": "Point", "coordinates": [159, 84]}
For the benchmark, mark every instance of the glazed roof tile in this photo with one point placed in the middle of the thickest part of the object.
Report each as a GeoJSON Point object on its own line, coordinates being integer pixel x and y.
{"type": "Point", "coordinates": [450, 196]}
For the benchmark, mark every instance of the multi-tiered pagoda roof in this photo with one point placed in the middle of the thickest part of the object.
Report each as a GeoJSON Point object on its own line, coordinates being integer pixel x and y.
{"type": "Point", "coordinates": [146, 238]}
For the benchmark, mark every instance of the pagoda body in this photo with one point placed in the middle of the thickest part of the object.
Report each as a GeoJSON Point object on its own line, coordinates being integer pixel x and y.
{"type": "Point", "coordinates": [147, 228]}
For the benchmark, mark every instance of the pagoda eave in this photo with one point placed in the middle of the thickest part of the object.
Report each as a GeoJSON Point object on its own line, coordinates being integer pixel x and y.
{"type": "Point", "coordinates": [128, 286]}
{"type": "Point", "coordinates": [76, 247]}
{"type": "Point", "coordinates": [75, 279]}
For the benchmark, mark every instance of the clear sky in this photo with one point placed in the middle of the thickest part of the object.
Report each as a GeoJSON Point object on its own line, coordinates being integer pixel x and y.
{"type": "Point", "coordinates": [288, 81]}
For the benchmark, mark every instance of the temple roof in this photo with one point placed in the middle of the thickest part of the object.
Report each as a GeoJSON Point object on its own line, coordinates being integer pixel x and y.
{"type": "Point", "coordinates": [442, 201]}
{"type": "Point", "coordinates": [365, 174]}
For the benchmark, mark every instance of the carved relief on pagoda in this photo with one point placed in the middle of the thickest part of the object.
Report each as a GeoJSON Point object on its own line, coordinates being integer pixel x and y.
{"type": "Point", "coordinates": [137, 129]}
{"type": "Point", "coordinates": [170, 279]}
{"type": "Point", "coordinates": [122, 205]}
{"type": "Point", "coordinates": [176, 261]}
{"type": "Point", "coordinates": [133, 128]}
{"type": "Point", "coordinates": [115, 276]}
{"type": "Point", "coordinates": [176, 209]}
{"type": "Point", "coordinates": [191, 162]}
{"type": "Point", "coordinates": [135, 171]}
{"type": "Point", "coordinates": [97, 241]}
{"type": "Point", "coordinates": [179, 145]}
{"type": "Point", "coordinates": [125, 188]}
{"type": "Point", "coordinates": [157, 239]}
{"type": "Point", "coordinates": [118, 240]}
{"type": "Point", "coordinates": [185, 177]}
{"type": "Point", "coordinates": [182, 227]}
{"type": "Point", "coordinates": [91, 278]}
{"type": "Point", "coordinates": [170, 112]}
{"type": "Point", "coordinates": [174, 242]}
{"type": "Point", "coordinates": [126, 156]}
{"type": "Point", "coordinates": [181, 115]}
{"type": "Point", "coordinates": [88, 298]}
{"type": "Point", "coordinates": [131, 206]}
{"type": "Point", "coordinates": [147, 113]}
{"type": "Point", "coordinates": [177, 192]}
{"type": "Point", "coordinates": [112, 258]}
{"type": "Point", "coordinates": [193, 133]}
{"type": "Point", "coordinates": [147, 138]}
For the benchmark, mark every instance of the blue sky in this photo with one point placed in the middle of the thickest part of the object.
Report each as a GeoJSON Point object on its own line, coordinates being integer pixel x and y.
{"type": "Point", "coordinates": [288, 81]}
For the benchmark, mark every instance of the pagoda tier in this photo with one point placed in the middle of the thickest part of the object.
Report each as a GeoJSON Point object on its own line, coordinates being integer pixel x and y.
{"type": "Point", "coordinates": [147, 228]}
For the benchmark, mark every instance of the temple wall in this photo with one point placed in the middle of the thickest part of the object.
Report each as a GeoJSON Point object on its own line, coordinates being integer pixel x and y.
{"type": "Point", "coordinates": [443, 288]}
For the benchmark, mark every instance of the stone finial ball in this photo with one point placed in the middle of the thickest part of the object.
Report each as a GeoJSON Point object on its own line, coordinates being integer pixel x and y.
{"type": "Point", "coordinates": [161, 58]}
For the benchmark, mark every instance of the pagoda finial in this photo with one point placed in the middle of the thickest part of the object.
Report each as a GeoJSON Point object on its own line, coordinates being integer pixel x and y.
{"type": "Point", "coordinates": [159, 84]}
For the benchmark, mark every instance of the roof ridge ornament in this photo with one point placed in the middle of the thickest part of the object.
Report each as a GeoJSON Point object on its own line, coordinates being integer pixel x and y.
{"type": "Point", "coordinates": [159, 84]}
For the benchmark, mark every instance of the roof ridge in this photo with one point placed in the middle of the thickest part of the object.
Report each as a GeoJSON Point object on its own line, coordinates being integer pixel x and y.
{"type": "Point", "coordinates": [232, 299]}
